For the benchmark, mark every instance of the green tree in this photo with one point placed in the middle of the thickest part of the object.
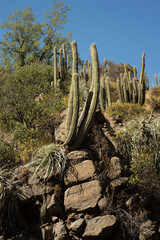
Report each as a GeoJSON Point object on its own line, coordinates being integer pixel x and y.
{"type": "Point", "coordinates": [27, 40]}
{"type": "Point", "coordinates": [54, 24]}
{"type": "Point", "coordinates": [22, 40]}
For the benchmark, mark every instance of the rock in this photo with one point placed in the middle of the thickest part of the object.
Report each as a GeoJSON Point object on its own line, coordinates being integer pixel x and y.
{"type": "Point", "coordinates": [79, 155]}
{"type": "Point", "coordinates": [78, 226]}
{"type": "Point", "coordinates": [47, 232]}
{"type": "Point", "coordinates": [119, 182]}
{"type": "Point", "coordinates": [102, 203]}
{"type": "Point", "coordinates": [54, 206]}
{"type": "Point", "coordinates": [99, 227]}
{"type": "Point", "coordinates": [115, 168]}
{"type": "Point", "coordinates": [82, 197]}
{"type": "Point", "coordinates": [79, 172]}
{"type": "Point", "coordinates": [59, 231]}
{"type": "Point", "coordinates": [148, 231]}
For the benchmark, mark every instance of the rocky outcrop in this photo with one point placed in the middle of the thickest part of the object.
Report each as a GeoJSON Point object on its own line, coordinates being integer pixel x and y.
{"type": "Point", "coordinates": [92, 200]}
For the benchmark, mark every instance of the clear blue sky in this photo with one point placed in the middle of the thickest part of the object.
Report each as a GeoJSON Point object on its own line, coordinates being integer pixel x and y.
{"type": "Point", "coordinates": [122, 29]}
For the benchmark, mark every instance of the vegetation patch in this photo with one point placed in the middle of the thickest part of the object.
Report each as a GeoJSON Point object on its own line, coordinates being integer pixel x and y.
{"type": "Point", "coordinates": [126, 111]}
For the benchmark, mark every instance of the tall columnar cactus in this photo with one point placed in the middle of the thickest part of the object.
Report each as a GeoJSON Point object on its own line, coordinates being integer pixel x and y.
{"type": "Point", "coordinates": [119, 90]}
{"type": "Point", "coordinates": [156, 79]}
{"type": "Point", "coordinates": [60, 63]}
{"type": "Point", "coordinates": [108, 92]}
{"type": "Point", "coordinates": [84, 75]}
{"type": "Point", "coordinates": [76, 132]}
{"type": "Point", "coordinates": [55, 66]}
{"type": "Point", "coordinates": [91, 103]}
{"type": "Point", "coordinates": [73, 110]}
{"type": "Point", "coordinates": [68, 65]}
{"type": "Point", "coordinates": [102, 94]}
{"type": "Point", "coordinates": [135, 72]}
{"type": "Point", "coordinates": [73, 107]}
{"type": "Point", "coordinates": [64, 62]}
{"type": "Point", "coordinates": [89, 73]}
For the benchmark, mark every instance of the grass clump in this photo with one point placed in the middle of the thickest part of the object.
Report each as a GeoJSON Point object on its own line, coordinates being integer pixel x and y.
{"type": "Point", "coordinates": [49, 160]}
{"type": "Point", "coordinates": [126, 111]}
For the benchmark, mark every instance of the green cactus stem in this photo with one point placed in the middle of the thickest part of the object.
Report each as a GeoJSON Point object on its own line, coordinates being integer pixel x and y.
{"type": "Point", "coordinates": [156, 79]}
{"type": "Point", "coordinates": [119, 90]}
{"type": "Point", "coordinates": [55, 66]}
{"type": "Point", "coordinates": [60, 63]}
{"type": "Point", "coordinates": [102, 94]}
{"type": "Point", "coordinates": [64, 62]}
{"type": "Point", "coordinates": [108, 91]}
{"type": "Point", "coordinates": [74, 104]}
{"type": "Point", "coordinates": [72, 90]}
{"type": "Point", "coordinates": [135, 72]}
{"type": "Point", "coordinates": [142, 69]}
{"type": "Point", "coordinates": [74, 57]}
{"type": "Point", "coordinates": [92, 100]}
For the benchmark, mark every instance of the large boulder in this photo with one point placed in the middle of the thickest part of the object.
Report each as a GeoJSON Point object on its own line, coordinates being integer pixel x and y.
{"type": "Point", "coordinates": [82, 197]}
{"type": "Point", "coordinates": [79, 172]}
{"type": "Point", "coordinates": [99, 227]}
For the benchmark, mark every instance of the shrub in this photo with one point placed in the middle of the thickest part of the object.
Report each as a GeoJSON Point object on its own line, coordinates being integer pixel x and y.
{"type": "Point", "coordinates": [6, 153]}
{"type": "Point", "coordinates": [126, 111]}
{"type": "Point", "coordinates": [154, 98]}
{"type": "Point", "coordinates": [139, 142]}
{"type": "Point", "coordinates": [18, 93]}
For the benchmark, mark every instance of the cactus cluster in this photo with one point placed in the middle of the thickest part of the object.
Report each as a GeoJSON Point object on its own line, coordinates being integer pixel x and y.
{"type": "Point", "coordinates": [132, 89]}
{"type": "Point", "coordinates": [61, 69]}
{"type": "Point", "coordinates": [76, 129]}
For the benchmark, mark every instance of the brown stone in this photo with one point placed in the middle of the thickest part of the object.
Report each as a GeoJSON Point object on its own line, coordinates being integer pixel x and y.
{"type": "Point", "coordinates": [99, 227]}
{"type": "Point", "coordinates": [119, 182]}
{"type": "Point", "coordinates": [59, 231]}
{"type": "Point", "coordinates": [79, 155]}
{"type": "Point", "coordinates": [79, 172]}
{"type": "Point", "coordinates": [82, 197]}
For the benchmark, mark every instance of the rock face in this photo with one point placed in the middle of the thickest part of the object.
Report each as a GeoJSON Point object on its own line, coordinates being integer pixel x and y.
{"type": "Point", "coordinates": [79, 172]}
{"type": "Point", "coordinates": [99, 227]}
{"type": "Point", "coordinates": [82, 197]}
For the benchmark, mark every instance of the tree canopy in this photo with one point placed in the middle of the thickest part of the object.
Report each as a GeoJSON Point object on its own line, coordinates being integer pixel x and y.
{"type": "Point", "coordinates": [27, 40]}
